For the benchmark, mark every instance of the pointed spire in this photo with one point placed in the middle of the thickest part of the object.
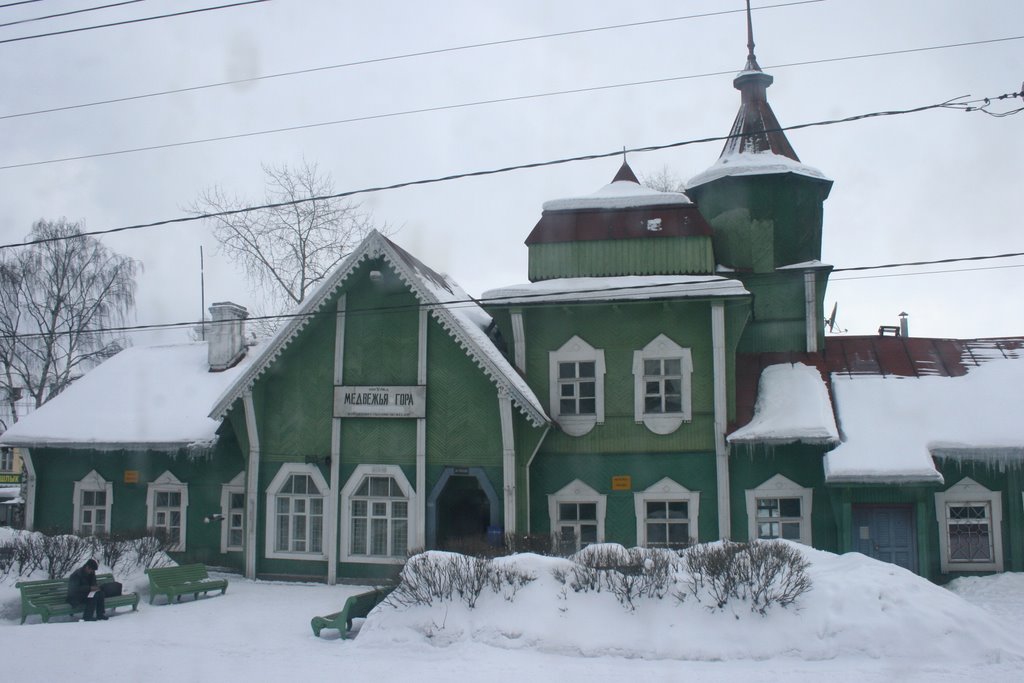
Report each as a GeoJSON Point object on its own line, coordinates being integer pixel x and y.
{"type": "Point", "coordinates": [751, 59]}
{"type": "Point", "coordinates": [755, 116]}
{"type": "Point", "coordinates": [625, 172]}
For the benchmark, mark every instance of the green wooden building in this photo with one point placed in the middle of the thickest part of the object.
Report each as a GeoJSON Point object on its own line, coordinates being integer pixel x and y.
{"type": "Point", "coordinates": [662, 378]}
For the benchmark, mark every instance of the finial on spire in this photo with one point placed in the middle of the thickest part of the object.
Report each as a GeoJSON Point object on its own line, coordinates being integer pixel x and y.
{"type": "Point", "coordinates": [750, 34]}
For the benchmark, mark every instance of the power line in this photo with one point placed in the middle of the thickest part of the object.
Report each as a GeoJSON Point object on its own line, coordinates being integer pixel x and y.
{"type": "Point", "coordinates": [131, 21]}
{"type": "Point", "coordinates": [22, 2]}
{"type": "Point", "coordinates": [408, 55]}
{"type": "Point", "coordinates": [949, 104]}
{"type": "Point", "coordinates": [711, 283]}
{"type": "Point", "coordinates": [445, 107]}
{"type": "Point", "coordinates": [67, 14]}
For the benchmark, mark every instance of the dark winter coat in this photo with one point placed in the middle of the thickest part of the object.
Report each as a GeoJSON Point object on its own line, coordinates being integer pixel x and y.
{"type": "Point", "coordinates": [79, 584]}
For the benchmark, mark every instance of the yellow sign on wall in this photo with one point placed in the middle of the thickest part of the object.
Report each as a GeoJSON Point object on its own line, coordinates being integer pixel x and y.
{"type": "Point", "coordinates": [131, 476]}
{"type": "Point", "coordinates": [623, 482]}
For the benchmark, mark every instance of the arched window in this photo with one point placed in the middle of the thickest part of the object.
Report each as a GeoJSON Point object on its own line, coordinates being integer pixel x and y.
{"type": "Point", "coordinates": [295, 513]}
{"type": "Point", "coordinates": [166, 507]}
{"type": "Point", "coordinates": [378, 514]}
{"type": "Point", "coordinates": [662, 373]}
{"type": "Point", "coordinates": [94, 497]}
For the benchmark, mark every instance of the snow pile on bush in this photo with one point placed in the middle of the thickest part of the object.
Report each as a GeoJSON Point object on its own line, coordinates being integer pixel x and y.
{"type": "Point", "coordinates": [855, 607]}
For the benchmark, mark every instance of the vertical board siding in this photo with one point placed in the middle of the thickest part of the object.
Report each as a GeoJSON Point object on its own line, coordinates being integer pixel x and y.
{"type": "Point", "coordinates": [603, 258]}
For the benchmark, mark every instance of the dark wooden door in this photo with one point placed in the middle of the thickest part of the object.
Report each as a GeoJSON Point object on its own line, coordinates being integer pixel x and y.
{"type": "Point", "coordinates": [886, 533]}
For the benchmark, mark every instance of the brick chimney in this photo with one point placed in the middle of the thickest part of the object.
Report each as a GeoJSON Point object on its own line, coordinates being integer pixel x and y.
{"type": "Point", "coordinates": [226, 338]}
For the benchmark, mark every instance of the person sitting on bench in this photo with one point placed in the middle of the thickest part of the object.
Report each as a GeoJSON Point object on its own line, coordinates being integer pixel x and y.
{"type": "Point", "coordinates": [82, 590]}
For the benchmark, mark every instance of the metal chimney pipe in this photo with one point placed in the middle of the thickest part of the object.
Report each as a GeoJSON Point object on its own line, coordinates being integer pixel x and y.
{"type": "Point", "coordinates": [903, 325]}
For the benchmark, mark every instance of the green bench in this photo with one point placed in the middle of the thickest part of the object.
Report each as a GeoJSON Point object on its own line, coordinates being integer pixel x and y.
{"type": "Point", "coordinates": [356, 606]}
{"type": "Point", "coordinates": [177, 581]}
{"type": "Point", "coordinates": [48, 598]}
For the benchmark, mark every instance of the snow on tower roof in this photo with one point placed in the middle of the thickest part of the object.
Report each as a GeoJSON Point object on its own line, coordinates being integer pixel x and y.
{"type": "Point", "coordinates": [754, 163]}
{"type": "Point", "coordinates": [153, 397]}
{"type": "Point", "coordinates": [624, 192]}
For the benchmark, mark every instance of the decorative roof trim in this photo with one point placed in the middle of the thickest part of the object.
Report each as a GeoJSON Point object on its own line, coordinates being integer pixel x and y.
{"type": "Point", "coordinates": [374, 246]}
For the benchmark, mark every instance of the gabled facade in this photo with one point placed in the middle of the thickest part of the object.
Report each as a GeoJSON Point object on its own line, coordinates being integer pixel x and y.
{"type": "Point", "coordinates": [662, 378]}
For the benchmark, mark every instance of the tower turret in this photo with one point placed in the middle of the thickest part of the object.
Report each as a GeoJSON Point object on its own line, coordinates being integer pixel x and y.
{"type": "Point", "coordinates": [766, 207]}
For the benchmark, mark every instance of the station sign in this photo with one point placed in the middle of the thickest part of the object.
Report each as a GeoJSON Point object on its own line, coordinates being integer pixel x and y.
{"type": "Point", "coordinates": [393, 401]}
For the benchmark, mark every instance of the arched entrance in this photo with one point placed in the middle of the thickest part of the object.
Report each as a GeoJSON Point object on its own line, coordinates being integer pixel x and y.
{"type": "Point", "coordinates": [462, 506]}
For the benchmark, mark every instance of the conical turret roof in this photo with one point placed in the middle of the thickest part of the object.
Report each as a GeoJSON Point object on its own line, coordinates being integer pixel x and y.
{"type": "Point", "coordinates": [756, 143]}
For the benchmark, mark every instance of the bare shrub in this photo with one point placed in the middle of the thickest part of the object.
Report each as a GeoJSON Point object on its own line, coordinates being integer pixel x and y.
{"type": "Point", "coordinates": [148, 548]}
{"type": "Point", "coordinates": [538, 544]}
{"type": "Point", "coordinates": [762, 573]}
{"type": "Point", "coordinates": [441, 577]}
{"type": "Point", "coordinates": [776, 575]}
{"type": "Point", "coordinates": [57, 555]}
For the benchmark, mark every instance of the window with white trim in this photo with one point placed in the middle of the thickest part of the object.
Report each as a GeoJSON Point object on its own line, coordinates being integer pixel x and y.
{"type": "Point", "coordinates": [232, 507]}
{"type": "Point", "coordinates": [779, 508]}
{"type": "Point", "coordinates": [667, 515]}
{"type": "Point", "coordinates": [6, 459]}
{"type": "Point", "coordinates": [662, 373]}
{"type": "Point", "coordinates": [577, 514]}
{"type": "Point", "coordinates": [378, 515]}
{"type": "Point", "coordinates": [970, 521]}
{"type": "Point", "coordinates": [93, 500]}
{"type": "Point", "coordinates": [576, 375]}
{"type": "Point", "coordinates": [166, 507]}
{"type": "Point", "coordinates": [295, 513]}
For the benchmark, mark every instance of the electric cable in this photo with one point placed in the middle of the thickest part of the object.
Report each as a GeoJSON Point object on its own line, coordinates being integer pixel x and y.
{"type": "Point", "coordinates": [408, 55]}
{"type": "Point", "coordinates": [131, 21]}
{"type": "Point", "coordinates": [71, 12]}
{"type": "Point", "coordinates": [948, 104]}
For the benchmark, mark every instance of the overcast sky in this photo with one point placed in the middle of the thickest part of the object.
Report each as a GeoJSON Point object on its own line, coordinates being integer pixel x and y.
{"type": "Point", "coordinates": [931, 185]}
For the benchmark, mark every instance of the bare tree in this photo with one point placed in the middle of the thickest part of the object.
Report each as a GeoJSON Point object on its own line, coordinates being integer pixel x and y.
{"type": "Point", "coordinates": [663, 180]}
{"type": "Point", "coordinates": [286, 250]}
{"type": "Point", "coordinates": [58, 299]}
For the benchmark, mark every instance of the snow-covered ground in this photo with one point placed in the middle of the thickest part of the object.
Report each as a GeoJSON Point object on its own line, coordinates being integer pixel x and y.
{"type": "Point", "coordinates": [862, 621]}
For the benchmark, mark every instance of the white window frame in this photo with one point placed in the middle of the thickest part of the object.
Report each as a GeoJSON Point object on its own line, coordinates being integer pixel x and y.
{"type": "Point", "coordinates": [577, 492]}
{"type": "Point", "coordinates": [576, 350]}
{"type": "Point", "coordinates": [93, 482]}
{"type": "Point", "coordinates": [347, 492]}
{"type": "Point", "coordinates": [167, 483]}
{"type": "Point", "coordinates": [781, 487]}
{"type": "Point", "coordinates": [278, 482]}
{"type": "Point", "coordinates": [662, 348]}
{"type": "Point", "coordinates": [667, 490]}
{"type": "Point", "coordinates": [969, 492]}
{"type": "Point", "coordinates": [236, 485]}
{"type": "Point", "coordinates": [6, 459]}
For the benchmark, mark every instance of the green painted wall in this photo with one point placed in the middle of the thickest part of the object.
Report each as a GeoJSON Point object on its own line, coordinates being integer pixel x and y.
{"type": "Point", "coordinates": [762, 222]}
{"type": "Point", "coordinates": [751, 466]}
{"type": "Point", "coordinates": [695, 471]}
{"type": "Point", "coordinates": [57, 470]}
{"type": "Point", "coordinates": [600, 258]}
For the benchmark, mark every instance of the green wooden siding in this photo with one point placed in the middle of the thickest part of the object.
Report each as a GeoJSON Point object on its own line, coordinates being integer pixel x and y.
{"type": "Point", "coordinates": [765, 221]}
{"type": "Point", "coordinates": [695, 471]}
{"type": "Point", "coordinates": [600, 258]}
{"type": "Point", "coordinates": [57, 470]}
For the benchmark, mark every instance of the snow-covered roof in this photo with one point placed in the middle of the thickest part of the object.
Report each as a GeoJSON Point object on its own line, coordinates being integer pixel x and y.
{"type": "Point", "coordinates": [620, 194]}
{"type": "Point", "coordinates": [792, 405]}
{"type": "Point", "coordinates": [627, 287]}
{"type": "Point", "coordinates": [758, 163]}
{"type": "Point", "coordinates": [461, 317]}
{"type": "Point", "coordinates": [892, 426]}
{"type": "Point", "coordinates": [813, 264]}
{"type": "Point", "coordinates": [153, 397]}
